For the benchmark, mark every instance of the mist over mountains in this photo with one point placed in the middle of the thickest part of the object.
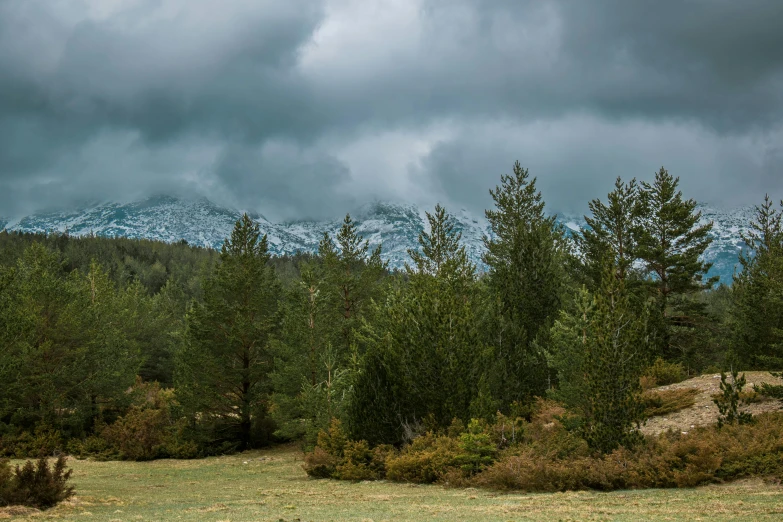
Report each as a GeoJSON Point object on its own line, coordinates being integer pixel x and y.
{"type": "Point", "coordinates": [395, 226]}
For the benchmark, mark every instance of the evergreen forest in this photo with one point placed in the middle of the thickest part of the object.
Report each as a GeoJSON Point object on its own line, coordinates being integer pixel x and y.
{"type": "Point", "coordinates": [114, 348]}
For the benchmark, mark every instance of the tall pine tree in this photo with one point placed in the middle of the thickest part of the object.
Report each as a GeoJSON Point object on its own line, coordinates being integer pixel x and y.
{"type": "Point", "coordinates": [671, 242]}
{"type": "Point", "coordinates": [352, 277]}
{"type": "Point", "coordinates": [420, 364]}
{"type": "Point", "coordinates": [526, 255]}
{"type": "Point", "coordinates": [757, 292]}
{"type": "Point", "coordinates": [223, 367]}
{"type": "Point", "coordinates": [616, 352]}
{"type": "Point", "coordinates": [611, 232]}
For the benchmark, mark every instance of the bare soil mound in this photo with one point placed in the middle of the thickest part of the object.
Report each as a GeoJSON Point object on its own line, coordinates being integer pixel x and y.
{"type": "Point", "coordinates": [704, 411]}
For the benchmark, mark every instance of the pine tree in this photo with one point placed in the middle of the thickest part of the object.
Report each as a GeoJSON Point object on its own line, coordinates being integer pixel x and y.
{"type": "Point", "coordinates": [304, 358]}
{"type": "Point", "coordinates": [671, 243]}
{"type": "Point", "coordinates": [223, 367]}
{"type": "Point", "coordinates": [526, 255]}
{"type": "Point", "coordinates": [70, 342]}
{"type": "Point", "coordinates": [352, 277]}
{"type": "Point", "coordinates": [441, 253]}
{"type": "Point", "coordinates": [757, 292]}
{"type": "Point", "coordinates": [420, 363]}
{"type": "Point", "coordinates": [611, 232]}
{"type": "Point", "coordinates": [615, 355]}
{"type": "Point", "coordinates": [44, 341]}
{"type": "Point", "coordinates": [571, 333]}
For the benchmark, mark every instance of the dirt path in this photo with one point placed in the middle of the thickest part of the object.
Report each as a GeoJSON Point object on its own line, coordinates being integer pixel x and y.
{"type": "Point", "coordinates": [704, 411]}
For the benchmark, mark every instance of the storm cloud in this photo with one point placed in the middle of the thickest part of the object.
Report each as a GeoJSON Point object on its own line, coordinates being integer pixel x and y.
{"type": "Point", "coordinates": [307, 108]}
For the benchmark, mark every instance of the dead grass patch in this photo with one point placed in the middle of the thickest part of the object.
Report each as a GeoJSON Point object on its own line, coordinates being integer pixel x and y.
{"type": "Point", "coordinates": [661, 402]}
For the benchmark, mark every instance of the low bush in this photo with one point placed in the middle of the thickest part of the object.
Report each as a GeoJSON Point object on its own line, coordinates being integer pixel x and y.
{"type": "Point", "coordinates": [35, 485]}
{"type": "Point", "coordinates": [146, 431]}
{"type": "Point", "coordinates": [662, 402]}
{"type": "Point", "coordinates": [337, 457]}
{"type": "Point", "coordinates": [664, 372]}
{"type": "Point", "coordinates": [94, 447]}
{"type": "Point", "coordinates": [320, 464]}
{"type": "Point", "coordinates": [424, 460]}
{"type": "Point", "coordinates": [44, 441]}
{"type": "Point", "coordinates": [362, 463]}
{"type": "Point", "coordinates": [770, 391]}
{"type": "Point", "coordinates": [704, 455]}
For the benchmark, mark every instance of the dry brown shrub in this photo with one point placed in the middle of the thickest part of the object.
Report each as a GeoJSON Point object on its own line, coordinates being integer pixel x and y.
{"type": "Point", "coordinates": [662, 402]}
{"type": "Point", "coordinates": [647, 382]}
{"type": "Point", "coordinates": [670, 460]}
{"type": "Point", "coordinates": [320, 464]}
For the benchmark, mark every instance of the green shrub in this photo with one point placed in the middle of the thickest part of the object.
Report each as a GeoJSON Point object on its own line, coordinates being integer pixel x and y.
{"type": "Point", "coordinates": [334, 440]}
{"type": "Point", "coordinates": [44, 441]}
{"type": "Point", "coordinates": [6, 486]}
{"type": "Point", "coordinates": [93, 446]}
{"type": "Point", "coordinates": [140, 434]}
{"type": "Point", "coordinates": [35, 485]}
{"type": "Point", "coordinates": [357, 462]}
{"type": "Point", "coordinates": [729, 400]}
{"type": "Point", "coordinates": [477, 450]}
{"type": "Point", "coordinates": [664, 372]}
{"type": "Point", "coordinates": [329, 453]}
{"type": "Point", "coordinates": [772, 391]}
{"type": "Point", "coordinates": [424, 460]}
{"type": "Point", "coordinates": [147, 430]}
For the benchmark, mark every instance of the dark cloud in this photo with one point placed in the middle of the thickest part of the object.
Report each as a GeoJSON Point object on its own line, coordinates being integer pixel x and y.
{"type": "Point", "coordinates": [304, 108]}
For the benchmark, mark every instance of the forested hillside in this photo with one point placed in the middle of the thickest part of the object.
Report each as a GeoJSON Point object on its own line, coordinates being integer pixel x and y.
{"type": "Point", "coordinates": [138, 349]}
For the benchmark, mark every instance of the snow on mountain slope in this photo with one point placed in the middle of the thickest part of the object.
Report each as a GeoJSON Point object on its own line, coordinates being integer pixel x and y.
{"type": "Point", "coordinates": [395, 226]}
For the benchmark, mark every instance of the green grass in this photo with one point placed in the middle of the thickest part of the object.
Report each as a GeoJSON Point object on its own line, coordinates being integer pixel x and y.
{"type": "Point", "coordinates": [270, 485]}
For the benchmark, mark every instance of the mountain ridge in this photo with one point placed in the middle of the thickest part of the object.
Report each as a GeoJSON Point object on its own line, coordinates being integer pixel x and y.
{"type": "Point", "coordinates": [396, 226]}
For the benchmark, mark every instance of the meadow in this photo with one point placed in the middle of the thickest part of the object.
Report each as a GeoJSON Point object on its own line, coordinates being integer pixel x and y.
{"type": "Point", "coordinates": [270, 485]}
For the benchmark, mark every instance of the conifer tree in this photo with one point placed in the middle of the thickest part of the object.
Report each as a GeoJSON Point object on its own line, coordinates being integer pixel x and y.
{"type": "Point", "coordinates": [352, 277]}
{"type": "Point", "coordinates": [69, 342]}
{"type": "Point", "coordinates": [223, 367]}
{"type": "Point", "coordinates": [615, 355]}
{"type": "Point", "coordinates": [671, 243]}
{"type": "Point", "coordinates": [571, 334]}
{"type": "Point", "coordinates": [526, 255]}
{"type": "Point", "coordinates": [757, 292]}
{"type": "Point", "coordinates": [441, 253]}
{"type": "Point", "coordinates": [611, 232]}
{"type": "Point", "coordinates": [304, 355]}
{"type": "Point", "coordinates": [420, 363]}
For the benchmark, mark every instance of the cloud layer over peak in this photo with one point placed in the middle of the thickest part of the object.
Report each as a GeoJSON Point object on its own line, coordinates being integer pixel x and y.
{"type": "Point", "coordinates": [306, 108]}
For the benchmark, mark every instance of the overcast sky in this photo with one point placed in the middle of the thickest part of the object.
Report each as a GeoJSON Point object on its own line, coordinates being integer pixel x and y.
{"type": "Point", "coordinates": [308, 108]}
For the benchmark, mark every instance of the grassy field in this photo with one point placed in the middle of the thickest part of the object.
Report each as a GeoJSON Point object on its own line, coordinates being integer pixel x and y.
{"type": "Point", "coordinates": [270, 485]}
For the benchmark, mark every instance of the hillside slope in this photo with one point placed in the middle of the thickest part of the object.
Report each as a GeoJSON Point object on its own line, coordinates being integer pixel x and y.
{"type": "Point", "coordinates": [704, 412]}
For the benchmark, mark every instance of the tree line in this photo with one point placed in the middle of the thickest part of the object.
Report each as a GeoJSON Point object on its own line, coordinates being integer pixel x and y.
{"type": "Point", "coordinates": [203, 351]}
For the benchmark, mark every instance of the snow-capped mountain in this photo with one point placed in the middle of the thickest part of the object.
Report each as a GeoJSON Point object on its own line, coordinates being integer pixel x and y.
{"type": "Point", "coordinates": [395, 226]}
{"type": "Point", "coordinates": [202, 223]}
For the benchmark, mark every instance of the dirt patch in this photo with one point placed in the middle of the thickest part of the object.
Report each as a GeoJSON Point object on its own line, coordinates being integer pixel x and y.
{"type": "Point", "coordinates": [704, 412]}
